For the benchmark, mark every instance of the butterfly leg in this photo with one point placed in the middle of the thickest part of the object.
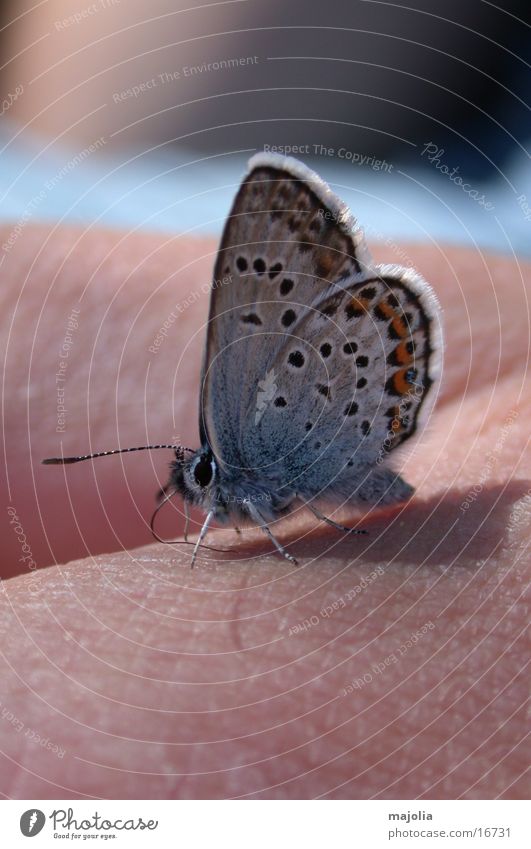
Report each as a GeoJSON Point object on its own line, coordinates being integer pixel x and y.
{"type": "Point", "coordinates": [333, 524]}
{"type": "Point", "coordinates": [201, 537]}
{"type": "Point", "coordinates": [253, 512]}
{"type": "Point", "coordinates": [186, 521]}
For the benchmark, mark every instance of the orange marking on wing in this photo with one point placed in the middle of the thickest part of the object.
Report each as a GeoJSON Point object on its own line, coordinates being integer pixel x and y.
{"type": "Point", "coordinates": [325, 261]}
{"type": "Point", "coordinates": [399, 326]}
{"type": "Point", "coordinates": [359, 304]}
{"type": "Point", "coordinates": [386, 309]}
{"type": "Point", "coordinates": [398, 321]}
{"type": "Point", "coordinates": [402, 386]}
{"type": "Point", "coordinates": [403, 357]}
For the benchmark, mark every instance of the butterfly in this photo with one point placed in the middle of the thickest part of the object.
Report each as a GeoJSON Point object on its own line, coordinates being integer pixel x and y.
{"type": "Point", "coordinates": [317, 365]}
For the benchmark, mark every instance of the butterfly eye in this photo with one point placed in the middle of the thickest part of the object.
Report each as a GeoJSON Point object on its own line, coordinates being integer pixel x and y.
{"type": "Point", "coordinates": [203, 471]}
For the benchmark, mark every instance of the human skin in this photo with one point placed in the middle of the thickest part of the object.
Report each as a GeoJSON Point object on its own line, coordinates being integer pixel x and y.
{"type": "Point", "coordinates": [146, 679]}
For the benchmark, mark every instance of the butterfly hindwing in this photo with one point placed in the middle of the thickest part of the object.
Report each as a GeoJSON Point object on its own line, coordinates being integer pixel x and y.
{"type": "Point", "coordinates": [349, 385]}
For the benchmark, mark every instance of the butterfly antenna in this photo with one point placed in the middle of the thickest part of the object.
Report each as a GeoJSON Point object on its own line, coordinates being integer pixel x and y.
{"type": "Point", "coordinates": [164, 493]}
{"type": "Point", "coordinates": [64, 461]}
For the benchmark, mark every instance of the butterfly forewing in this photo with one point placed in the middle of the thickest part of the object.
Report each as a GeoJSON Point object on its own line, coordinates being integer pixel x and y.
{"type": "Point", "coordinates": [288, 242]}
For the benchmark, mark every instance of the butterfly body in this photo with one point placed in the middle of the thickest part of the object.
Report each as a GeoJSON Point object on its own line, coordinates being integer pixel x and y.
{"type": "Point", "coordinates": [202, 483]}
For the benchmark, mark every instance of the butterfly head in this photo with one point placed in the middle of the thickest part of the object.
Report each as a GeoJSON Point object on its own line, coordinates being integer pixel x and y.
{"type": "Point", "coordinates": [195, 477]}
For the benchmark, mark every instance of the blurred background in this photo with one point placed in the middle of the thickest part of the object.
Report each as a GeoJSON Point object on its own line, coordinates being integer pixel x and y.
{"type": "Point", "coordinates": [139, 118]}
{"type": "Point", "coordinates": [132, 111]}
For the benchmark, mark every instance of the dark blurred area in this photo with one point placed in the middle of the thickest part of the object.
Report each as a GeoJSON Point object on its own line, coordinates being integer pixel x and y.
{"type": "Point", "coordinates": [377, 76]}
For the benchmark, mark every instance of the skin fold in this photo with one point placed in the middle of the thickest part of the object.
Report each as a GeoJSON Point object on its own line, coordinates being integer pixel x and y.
{"type": "Point", "coordinates": [391, 665]}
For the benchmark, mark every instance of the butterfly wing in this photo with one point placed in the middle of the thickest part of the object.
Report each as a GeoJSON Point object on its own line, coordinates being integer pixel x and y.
{"type": "Point", "coordinates": [287, 242]}
{"type": "Point", "coordinates": [317, 366]}
{"type": "Point", "coordinates": [353, 382]}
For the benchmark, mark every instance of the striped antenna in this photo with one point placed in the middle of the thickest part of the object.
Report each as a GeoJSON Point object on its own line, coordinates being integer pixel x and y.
{"type": "Point", "coordinates": [64, 461]}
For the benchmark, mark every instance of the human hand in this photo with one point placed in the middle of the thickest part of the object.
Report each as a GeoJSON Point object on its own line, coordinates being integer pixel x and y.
{"type": "Point", "coordinates": [387, 666]}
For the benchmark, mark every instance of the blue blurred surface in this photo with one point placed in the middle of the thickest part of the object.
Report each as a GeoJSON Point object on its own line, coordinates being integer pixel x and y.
{"type": "Point", "coordinates": [172, 190]}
